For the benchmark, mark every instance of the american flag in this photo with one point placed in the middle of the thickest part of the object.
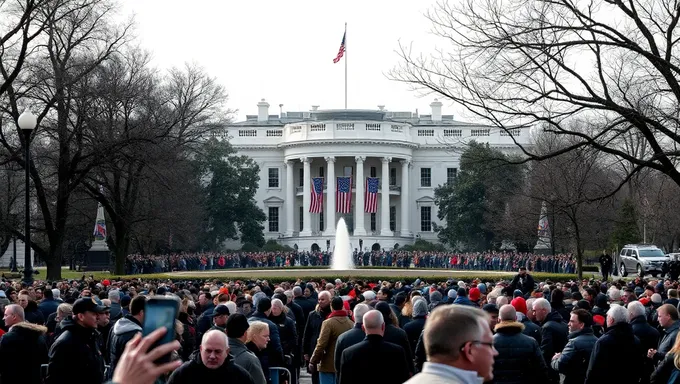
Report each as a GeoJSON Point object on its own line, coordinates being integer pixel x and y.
{"type": "Point", "coordinates": [341, 51]}
{"type": "Point", "coordinates": [316, 206]}
{"type": "Point", "coordinates": [343, 196]}
{"type": "Point", "coordinates": [371, 198]}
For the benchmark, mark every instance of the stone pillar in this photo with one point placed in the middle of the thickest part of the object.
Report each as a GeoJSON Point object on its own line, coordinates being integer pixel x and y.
{"type": "Point", "coordinates": [405, 203]}
{"type": "Point", "coordinates": [306, 198]}
{"type": "Point", "coordinates": [385, 198]}
{"type": "Point", "coordinates": [359, 229]}
{"type": "Point", "coordinates": [329, 213]}
{"type": "Point", "coordinates": [290, 198]}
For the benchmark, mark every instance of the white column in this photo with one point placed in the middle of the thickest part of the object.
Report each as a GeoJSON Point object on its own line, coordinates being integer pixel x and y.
{"type": "Point", "coordinates": [290, 199]}
{"type": "Point", "coordinates": [329, 213]}
{"type": "Point", "coordinates": [359, 229]}
{"type": "Point", "coordinates": [306, 198]}
{"type": "Point", "coordinates": [385, 198]}
{"type": "Point", "coordinates": [405, 203]}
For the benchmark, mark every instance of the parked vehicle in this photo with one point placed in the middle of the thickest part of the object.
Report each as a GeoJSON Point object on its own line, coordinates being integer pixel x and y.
{"type": "Point", "coordinates": [642, 259]}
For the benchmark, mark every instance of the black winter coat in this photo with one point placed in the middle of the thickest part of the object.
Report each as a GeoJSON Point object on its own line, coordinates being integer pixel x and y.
{"type": "Point", "coordinates": [616, 357]}
{"type": "Point", "coordinates": [287, 333]}
{"type": "Point", "coordinates": [193, 371]}
{"type": "Point", "coordinates": [649, 338]}
{"type": "Point", "coordinates": [532, 330]}
{"type": "Point", "coordinates": [420, 357]}
{"type": "Point", "coordinates": [664, 370]}
{"type": "Point", "coordinates": [273, 354]}
{"type": "Point", "coordinates": [313, 329]}
{"type": "Point", "coordinates": [667, 341]}
{"type": "Point", "coordinates": [307, 305]}
{"type": "Point", "coordinates": [123, 331]}
{"type": "Point", "coordinates": [22, 351]}
{"type": "Point", "coordinates": [359, 363]}
{"type": "Point", "coordinates": [346, 340]}
{"type": "Point", "coordinates": [573, 363]}
{"type": "Point", "coordinates": [397, 336]}
{"type": "Point", "coordinates": [413, 330]}
{"type": "Point", "coordinates": [554, 334]}
{"type": "Point", "coordinates": [519, 359]}
{"type": "Point", "coordinates": [75, 357]}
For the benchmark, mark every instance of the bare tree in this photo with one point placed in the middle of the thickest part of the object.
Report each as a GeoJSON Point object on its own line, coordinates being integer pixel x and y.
{"type": "Point", "coordinates": [542, 64]}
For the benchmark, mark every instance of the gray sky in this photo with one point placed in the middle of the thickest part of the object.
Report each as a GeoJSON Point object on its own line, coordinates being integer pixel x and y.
{"type": "Point", "coordinates": [283, 50]}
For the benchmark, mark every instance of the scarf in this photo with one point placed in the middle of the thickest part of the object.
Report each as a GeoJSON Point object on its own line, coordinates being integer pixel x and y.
{"type": "Point", "coordinates": [340, 313]}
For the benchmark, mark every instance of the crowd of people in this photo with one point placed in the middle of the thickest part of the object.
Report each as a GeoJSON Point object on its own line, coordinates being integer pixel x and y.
{"type": "Point", "coordinates": [492, 261]}
{"type": "Point", "coordinates": [344, 332]}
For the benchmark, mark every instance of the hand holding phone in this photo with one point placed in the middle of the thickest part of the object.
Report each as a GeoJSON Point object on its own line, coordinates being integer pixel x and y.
{"type": "Point", "coordinates": [161, 312]}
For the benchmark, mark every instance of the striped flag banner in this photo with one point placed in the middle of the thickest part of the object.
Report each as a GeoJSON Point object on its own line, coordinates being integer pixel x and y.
{"type": "Point", "coordinates": [343, 196]}
{"type": "Point", "coordinates": [316, 206]}
{"type": "Point", "coordinates": [371, 197]}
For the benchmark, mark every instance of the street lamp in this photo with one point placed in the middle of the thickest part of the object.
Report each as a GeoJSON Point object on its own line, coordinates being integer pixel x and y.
{"type": "Point", "coordinates": [27, 122]}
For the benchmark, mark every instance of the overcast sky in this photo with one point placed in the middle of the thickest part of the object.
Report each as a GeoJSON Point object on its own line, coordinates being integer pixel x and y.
{"type": "Point", "coordinates": [283, 50]}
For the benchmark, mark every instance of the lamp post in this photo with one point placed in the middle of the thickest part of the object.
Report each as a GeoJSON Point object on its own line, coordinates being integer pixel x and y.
{"type": "Point", "coordinates": [27, 122]}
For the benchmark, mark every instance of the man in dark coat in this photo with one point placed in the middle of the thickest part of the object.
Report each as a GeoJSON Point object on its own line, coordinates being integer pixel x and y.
{"type": "Point", "coordinates": [308, 304]}
{"type": "Point", "coordinates": [415, 327]}
{"type": "Point", "coordinates": [648, 335]}
{"type": "Point", "coordinates": [394, 334]}
{"type": "Point", "coordinates": [49, 304]}
{"type": "Point", "coordinates": [617, 354]}
{"type": "Point", "coordinates": [353, 336]}
{"type": "Point", "coordinates": [211, 365]}
{"type": "Point", "coordinates": [523, 281]}
{"type": "Point", "coordinates": [519, 357]}
{"type": "Point", "coordinates": [358, 363]}
{"type": "Point", "coordinates": [274, 351]}
{"type": "Point", "coordinates": [574, 359]}
{"type": "Point", "coordinates": [605, 265]}
{"type": "Point", "coordinates": [313, 328]}
{"type": "Point", "coordinates": [554, 333]}
{"type": "Point", "coordinates": [23, 349]}
{"type": "Point", "coordinates": [77, 347]}
{"type": "Point", "coordinates": [668, 319]}
{"type": "Point", "coordinates": [125, 329]}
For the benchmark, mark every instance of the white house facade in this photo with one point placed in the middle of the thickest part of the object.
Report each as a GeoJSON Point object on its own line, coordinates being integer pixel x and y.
{"type": "Point", "coordinates": [411, 154]}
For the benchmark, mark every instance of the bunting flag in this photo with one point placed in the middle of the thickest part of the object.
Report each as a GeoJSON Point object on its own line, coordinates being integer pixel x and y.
{"type": "Point", "coordinates": [316, 206]}
{"type": "Point", "coordinates": [343, 196]}
{"type": "Point", "coordinates": [371, 195]}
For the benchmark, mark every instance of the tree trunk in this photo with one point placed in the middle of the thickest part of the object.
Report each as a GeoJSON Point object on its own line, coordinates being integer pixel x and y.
{"type": "Point", "coordinates": [122, 241]}
{"type": "Point", "coordinates": [53, 262]}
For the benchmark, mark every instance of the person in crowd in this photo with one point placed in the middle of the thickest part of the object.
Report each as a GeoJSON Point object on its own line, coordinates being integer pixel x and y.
{"type": "Point", "coordinates": [574, 359]}
{"type": "Point", "coordinates": [211, 365]}
{"type": "Point", "coordinates": [648, 335]}
{"type": "Point", "coordinates": [605, 265]}
{"type": "Point", "coordinates": [335, 325]}
{"type": "Point", "coordinates": [519, 357]}
{"type": "Point", "coordinates": [668, 319]}
{"type": "Point", "coordinates": [23, 349]}
{"type": "Point", "coordinates": [125, 329]}
{"type": "Point", "coordinates": [258, 338]}
{"type": "Point", "coordinates": [459, 347]}
{"type": "Point", "coordinates": [104, 327]}
{"type": "Point", "coordinates": [554, 333]}
{"type": "Point", "coordinates": [313, 329]}
{"type": "Point", "coordinates": [77, 343]}
{"type": "Point", "coordinates": [523, 281]}
{"type": "Point", "coordinates": [525, 307]}
{"type": "Point", "coordinates": [617, 348]}
{"type": "Point", "coordinates": [358, 362]}
{"type": "Point", "coordinates": [287, 332]}
{"type": "Point", "coordinates": [49, 304]}
{"type": "Point", "coordinates": [273, 355]}
{"type": "Point", "coordinates": [353, 336]}
{"type": "Point", "coordinates": [219, 318]}
{"type": "Point", "coordinates": [116, 310]}
{"type": "Point", "coordinates": [492, 311]}
{"type": "Point", "coordinates": [31, 311]}
{"type": "Point", "coordinates": [415, 327]}
{"type": "Point", "coordinates": [394, 334]}
{"type": "Point", "coordinates": [237, 333]}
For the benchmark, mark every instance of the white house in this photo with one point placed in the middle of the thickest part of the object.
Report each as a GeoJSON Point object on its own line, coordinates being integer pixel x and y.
{"type": "Point", "coordinates": [411, 154]}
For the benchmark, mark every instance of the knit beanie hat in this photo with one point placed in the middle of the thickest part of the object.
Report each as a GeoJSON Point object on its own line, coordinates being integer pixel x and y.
{"type": "Point", "coordinates": [520, 304]}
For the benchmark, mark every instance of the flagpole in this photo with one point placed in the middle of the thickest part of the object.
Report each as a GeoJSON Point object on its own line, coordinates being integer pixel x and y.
{"type": "Point", "coordinates": [345, 65]}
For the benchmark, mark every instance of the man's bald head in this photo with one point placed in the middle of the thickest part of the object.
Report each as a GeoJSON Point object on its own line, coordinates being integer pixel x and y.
{"type": "Point", "coordinates": [325, 294]}
{"type": "Point", "coordinates": [214, 349]}
{"type": "Point", "coordinates": [374, 322]}
{"type": "Point", "coordinates": [507, 313]}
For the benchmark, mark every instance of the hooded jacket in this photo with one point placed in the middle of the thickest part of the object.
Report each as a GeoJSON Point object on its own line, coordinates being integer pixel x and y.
{"type": "Point", "coordinates": [76, 348]}
{"type": "Point", "coordinates": [519, 358]}
{"type": "Point", "coordinates": [22, 350]}
{"type": "Point", "coordinates": [193, 371]}
{"type": "Point", "coordinates": [123, 331]}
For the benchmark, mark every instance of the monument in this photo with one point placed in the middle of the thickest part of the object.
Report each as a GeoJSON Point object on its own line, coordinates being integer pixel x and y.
{"type": "Point", "coordinates": [544, 244]}
{"type": "Point", "coordinates": [98, 257]}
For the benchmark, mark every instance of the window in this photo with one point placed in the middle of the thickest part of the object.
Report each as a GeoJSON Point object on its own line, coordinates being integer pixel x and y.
{"type": "Point", "coordinates": [425, 219]}
{"type": "Point", "coordinates": [425, 177]}
{"type": "Point", "coordinates": [302, 218]}
{"type": "Point", "coordinates": [274, 132]}
{"type": "Point", "coordinates": [393, 218]}
{"type": "Point", "coordinates": [453, 132]}
{"type": "Point", "coordinates": [273, 219]}
{"type": "Point", "coordinates": [426, 132]}
{"type": "Point", "coordinates": [302, 177]}
{"type": "Point", "coordinates": [393, 176]}
{"type": "Point", "coordinates": [451, 174]}
{"type": "Point", "coordinates": [273, 177]}
{"type": "Point", "coordinates": [374, 225]}
{"type": "Point", "coordinates": [321, 223]}
{"type": "Point", "coordinates": [347, 171]}
{"type": "Point", "coordinates": [321, 172]}
{"type": "Point", "coordinates": [374, 172]}
{"type": "Point", "coordinates": [480, 132]}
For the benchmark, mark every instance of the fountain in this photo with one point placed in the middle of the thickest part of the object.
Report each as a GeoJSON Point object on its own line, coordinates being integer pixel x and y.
{"type": "Point", "coordinates": [342, 253]}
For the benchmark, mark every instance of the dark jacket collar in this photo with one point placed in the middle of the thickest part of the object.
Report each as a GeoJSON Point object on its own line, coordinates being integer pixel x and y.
{"type": "Point", "coordinates": [584, 331]}
{"type": "Point", "coordinates": [639, 320]}
{"type": "Point", "coordinates": [374, 338]}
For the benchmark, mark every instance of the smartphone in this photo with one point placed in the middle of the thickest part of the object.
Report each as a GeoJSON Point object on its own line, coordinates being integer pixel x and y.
{"type": "Point", "coordinates": [160, 312]}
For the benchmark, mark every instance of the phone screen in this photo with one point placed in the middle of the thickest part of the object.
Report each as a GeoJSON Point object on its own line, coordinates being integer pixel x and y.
{"type": "Point", "coordinates": [160, 313]}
